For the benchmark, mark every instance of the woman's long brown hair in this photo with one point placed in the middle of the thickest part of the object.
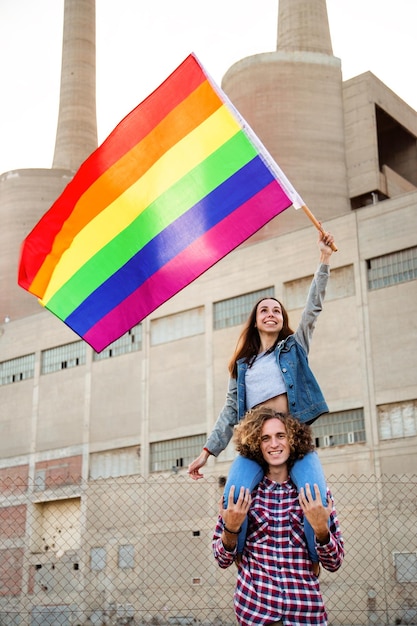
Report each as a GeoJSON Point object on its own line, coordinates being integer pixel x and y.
{"type": "Point", "coordinates": [249, 341]}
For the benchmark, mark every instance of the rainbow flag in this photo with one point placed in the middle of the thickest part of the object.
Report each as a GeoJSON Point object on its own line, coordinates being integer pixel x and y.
{"type": "Point", "coordinates": [179, 183]}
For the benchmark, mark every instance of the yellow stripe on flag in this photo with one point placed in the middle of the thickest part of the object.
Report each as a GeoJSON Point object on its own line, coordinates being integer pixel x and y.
{"type": "Point", "coordinates": [170, 168]}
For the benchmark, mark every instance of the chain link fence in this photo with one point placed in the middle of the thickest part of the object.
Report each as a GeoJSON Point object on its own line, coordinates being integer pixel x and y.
{"type": "Point", "coordinates": [134, 551]}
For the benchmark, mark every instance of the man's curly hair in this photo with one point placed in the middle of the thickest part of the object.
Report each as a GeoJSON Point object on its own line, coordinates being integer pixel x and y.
{"type": "Point", "coordinates": [247, 435]}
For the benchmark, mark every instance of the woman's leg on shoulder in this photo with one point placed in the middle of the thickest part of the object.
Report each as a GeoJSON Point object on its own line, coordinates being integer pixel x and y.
{"type": "Point", "coordinates": [309, 470]}
{"type": "Point", "coordinates": [243, 473]}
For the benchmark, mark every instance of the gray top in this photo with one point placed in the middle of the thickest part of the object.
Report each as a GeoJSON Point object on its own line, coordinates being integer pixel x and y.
{"type": "Point", "coordinates": [263, 380]}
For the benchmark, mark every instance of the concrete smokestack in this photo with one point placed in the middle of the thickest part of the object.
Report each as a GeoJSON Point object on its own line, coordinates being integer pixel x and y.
{"type": "Point", "coordinates": [76, 135]}
{"type": "Point", "coordinates": [25, 195]}
{"type": "Point", "coordinates": [292, 98]}
{"type": "Point", "coordinates": [304, 26]}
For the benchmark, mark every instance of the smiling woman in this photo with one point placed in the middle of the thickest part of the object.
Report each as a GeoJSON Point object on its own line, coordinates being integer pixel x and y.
{"type": "Point", "coordinates": [269, 368]}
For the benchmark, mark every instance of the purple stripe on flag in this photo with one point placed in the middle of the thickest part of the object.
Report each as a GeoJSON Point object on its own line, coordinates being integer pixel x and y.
{"type": "Point", "coordinates": [170, 242]}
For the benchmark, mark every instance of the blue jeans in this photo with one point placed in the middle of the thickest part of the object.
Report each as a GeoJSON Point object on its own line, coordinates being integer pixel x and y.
{"type": "Point", "coordinates": [247, 473]}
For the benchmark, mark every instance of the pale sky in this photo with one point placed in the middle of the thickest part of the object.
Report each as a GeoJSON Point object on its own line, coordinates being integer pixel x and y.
{"type": "Point", "coordinates": [140, 42]}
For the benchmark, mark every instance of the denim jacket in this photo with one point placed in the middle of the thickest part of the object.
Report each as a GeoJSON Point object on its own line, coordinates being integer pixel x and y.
{"type": "Point", "coordinates": [305, 399]}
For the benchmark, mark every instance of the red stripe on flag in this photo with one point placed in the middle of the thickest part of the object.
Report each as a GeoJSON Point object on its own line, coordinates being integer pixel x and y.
{"type": "Point", "coordinates": [130, 131]}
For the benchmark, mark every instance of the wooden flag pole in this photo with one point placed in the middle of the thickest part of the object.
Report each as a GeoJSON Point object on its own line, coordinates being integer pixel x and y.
{"type": "Point", "coordinates": [317, 224]}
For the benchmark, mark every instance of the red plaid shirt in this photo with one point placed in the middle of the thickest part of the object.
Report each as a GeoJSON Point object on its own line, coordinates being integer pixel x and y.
{"type": "Point", "coordinates": [275, 579]}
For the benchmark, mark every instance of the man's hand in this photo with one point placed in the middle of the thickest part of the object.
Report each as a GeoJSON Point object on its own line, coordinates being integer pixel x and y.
{"type": "Point", "coordinates": [236, 512]}
{"type": "Point", "coordinates": [316, 513]}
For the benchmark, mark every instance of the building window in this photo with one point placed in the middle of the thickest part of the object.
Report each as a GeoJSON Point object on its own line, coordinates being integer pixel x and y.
{"type": "Point", "coordinates": [341, 285]}
{"type": "Point", "coordinates": [17, 369]}
{"type": "Point", "coordinates": [397, 420]}
{"type": "Point", "coordinates": [129, 342]}
{"type": "Point", "coordinates": [339, 429]}
{"type": "Point", "coordinates": [126, 557]}
{"type": "Point", "coordinates": [115, 463]}
{"type": "Point", "coordinates": [235, 311]}
{"type": "Point", "coordinates": [391, 269]}
{"type": "Point", "coordinates": [98, 559]}
{"type": "Point", "coordinates": [178, 326]}
{"type": "Point", "coordinates": [63, 357]}
{"type": "Point", "coordinates": [175, 453]}
{"type": "Point", "coordinates": [405, 567]}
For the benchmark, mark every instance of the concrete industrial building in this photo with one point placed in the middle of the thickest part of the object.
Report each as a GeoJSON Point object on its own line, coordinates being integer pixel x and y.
{"type": "Point", "coordinates": [145, 404]}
